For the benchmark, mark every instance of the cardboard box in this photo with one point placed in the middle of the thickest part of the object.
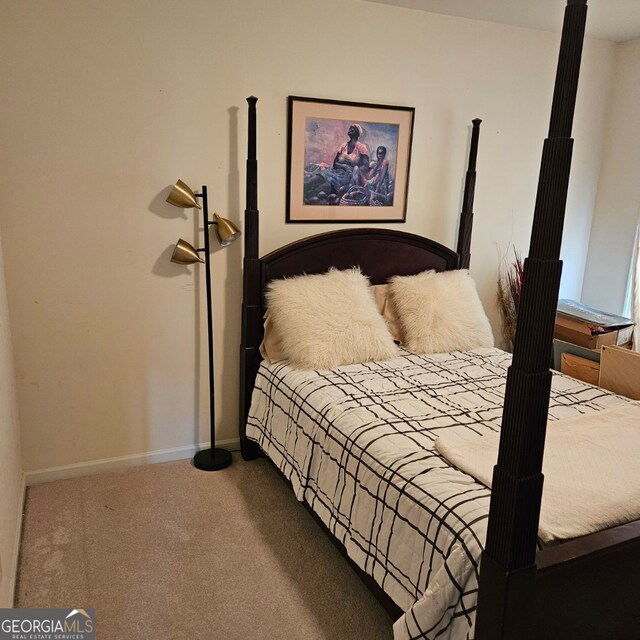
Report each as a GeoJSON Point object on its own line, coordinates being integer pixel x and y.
{"type": "Point", "coordinates": [578, 332]}
{"type": "Point", "coordinates": [560, 347]}
{"type": "Point", "coordinates": [580, 368]}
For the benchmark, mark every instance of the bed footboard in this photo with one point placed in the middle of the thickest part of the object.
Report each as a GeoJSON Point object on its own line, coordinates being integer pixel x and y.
{"type": "Point", "coordinates": [589, 588]}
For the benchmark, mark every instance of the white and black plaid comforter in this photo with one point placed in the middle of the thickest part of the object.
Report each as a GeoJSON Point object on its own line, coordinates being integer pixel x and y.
{"type": "Point", "coordinates": [357, 445]}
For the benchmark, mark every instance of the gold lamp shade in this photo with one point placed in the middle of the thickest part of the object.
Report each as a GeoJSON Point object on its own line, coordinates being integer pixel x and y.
{"type": "Point", "coordinates": [182, 196]}
{"type": "Point", "coordinates": [185, 253]}
{"type": "Point", "coordinates": [226, 231]}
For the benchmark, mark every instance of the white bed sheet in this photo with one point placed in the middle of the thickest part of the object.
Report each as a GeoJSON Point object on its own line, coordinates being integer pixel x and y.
{"type": "Point", "coordinates": [357, 444]}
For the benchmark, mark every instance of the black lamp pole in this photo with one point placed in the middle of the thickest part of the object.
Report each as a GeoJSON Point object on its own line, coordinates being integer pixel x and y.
{"type": "Point", "coordinates": [211, 459]}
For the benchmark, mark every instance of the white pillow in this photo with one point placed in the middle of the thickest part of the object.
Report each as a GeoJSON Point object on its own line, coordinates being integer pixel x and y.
{"type": "Point", "coordinates": [327, 320]}
{"type": "Point", "coordinates": [440, 312]}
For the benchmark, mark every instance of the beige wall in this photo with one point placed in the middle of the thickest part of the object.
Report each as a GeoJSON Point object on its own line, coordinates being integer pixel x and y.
{"type": "Point", "coordinates": [11, 483]}
{"type": "Point", "coordinates": [107, 103]}
{"type": "Point", "coordinates": [618, 200]}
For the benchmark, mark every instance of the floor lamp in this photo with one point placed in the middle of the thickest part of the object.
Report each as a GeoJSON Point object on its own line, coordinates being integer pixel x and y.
{"type": "Point", "coordinates": [184, 253]}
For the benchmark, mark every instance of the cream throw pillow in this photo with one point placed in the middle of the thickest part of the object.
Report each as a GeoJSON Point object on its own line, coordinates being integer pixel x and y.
{"type": "Point", "coordinates": [326, 320]}
{"type": "Point", "coordinates": [271, 345]}
{"type": "Point", "coordinates": [440, 312]}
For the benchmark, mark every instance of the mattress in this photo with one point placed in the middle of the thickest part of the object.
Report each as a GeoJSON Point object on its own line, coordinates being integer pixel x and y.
{"type": "Point", "coordinates": [357, 444]}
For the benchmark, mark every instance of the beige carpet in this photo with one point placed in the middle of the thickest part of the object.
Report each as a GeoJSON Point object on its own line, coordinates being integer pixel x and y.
{"type": "Point", "coordinates": [169, 552]}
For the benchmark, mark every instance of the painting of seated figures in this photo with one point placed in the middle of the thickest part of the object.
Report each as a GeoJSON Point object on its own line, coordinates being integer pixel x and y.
{"type": "Point", "coordinates": [348, 168]}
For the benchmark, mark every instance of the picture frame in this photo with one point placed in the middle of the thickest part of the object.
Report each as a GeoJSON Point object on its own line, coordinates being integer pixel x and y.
{"type": "Point", "coordinates": [347, 161]}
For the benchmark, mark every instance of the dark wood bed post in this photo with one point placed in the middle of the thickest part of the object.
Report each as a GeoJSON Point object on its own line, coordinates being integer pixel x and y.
{"type": "Point", "coordinates": [251, 303]}
{"type": "Point", "coordinates": [466, 217]}
{"type": "Point", "coordinates": [508, 566]}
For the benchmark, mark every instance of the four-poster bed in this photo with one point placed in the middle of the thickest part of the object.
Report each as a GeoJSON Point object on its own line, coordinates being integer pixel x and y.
{"type": "Point", "coordinates": [584, 588]}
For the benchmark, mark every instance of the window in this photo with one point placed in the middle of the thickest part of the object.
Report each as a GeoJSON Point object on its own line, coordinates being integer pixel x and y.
{"type": "Point", "coordinates": [632, 298]}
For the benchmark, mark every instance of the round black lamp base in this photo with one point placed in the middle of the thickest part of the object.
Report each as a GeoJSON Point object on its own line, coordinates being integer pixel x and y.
{"type": "Point", "coordinates": [212, 459]}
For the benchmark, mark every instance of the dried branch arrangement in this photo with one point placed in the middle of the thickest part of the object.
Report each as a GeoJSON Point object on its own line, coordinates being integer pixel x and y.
{"type": "Point", "coordinates": [509, 287]}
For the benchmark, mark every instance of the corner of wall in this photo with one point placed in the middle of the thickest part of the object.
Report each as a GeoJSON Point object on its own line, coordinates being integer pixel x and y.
{"type": "Point", "coordinates": [12, 477]}
{"type": "Point", "coordinates": [15, 560]}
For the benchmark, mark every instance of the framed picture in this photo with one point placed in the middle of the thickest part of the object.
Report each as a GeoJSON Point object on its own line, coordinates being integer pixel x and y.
{"type": "Point", "coordinates": [347, 161]}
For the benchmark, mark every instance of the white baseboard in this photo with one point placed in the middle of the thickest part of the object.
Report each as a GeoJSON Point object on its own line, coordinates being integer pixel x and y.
{"type": "Point", "coordinates": [122, 462]}
{"type": "Point", "coordinates": [13, 575]}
